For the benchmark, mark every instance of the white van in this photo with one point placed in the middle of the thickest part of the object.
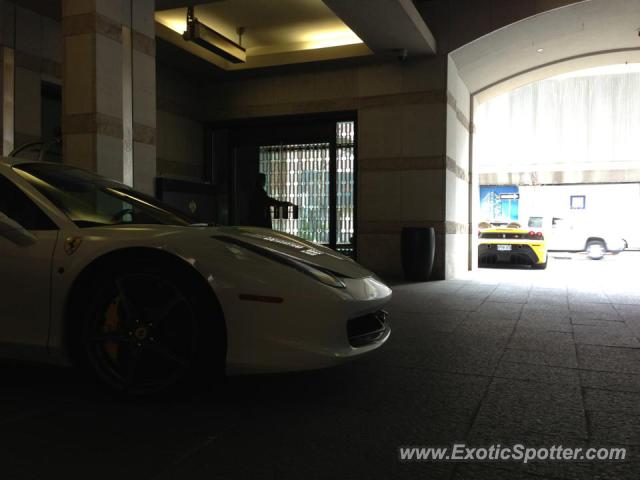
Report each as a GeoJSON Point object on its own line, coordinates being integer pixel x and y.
{"type": "Point", "coordinates": [562, 235]}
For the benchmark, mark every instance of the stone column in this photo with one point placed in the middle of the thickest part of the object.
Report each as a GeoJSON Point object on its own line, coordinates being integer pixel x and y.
{"type": "Point", "coordinates": [459, 192]}
{"type": "Point", "coordinates": [109, 88]}
{"type": "Point", "coordinates": [144, 94]}
{"type": "Point", "coordinates": [7, 92]}
{"type": "Point", "coordinates": [7, 78]}
{"type": "Point", "coordinates": [401, 161]}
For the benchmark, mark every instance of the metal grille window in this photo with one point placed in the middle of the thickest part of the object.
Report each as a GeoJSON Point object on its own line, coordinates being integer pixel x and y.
{"type": "Point", "coordinates": [301, 174]}
{"type": "Point", "coordinates": [344, 179]}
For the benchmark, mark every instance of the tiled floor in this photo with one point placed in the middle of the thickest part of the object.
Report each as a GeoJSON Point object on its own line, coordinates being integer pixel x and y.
{"type": "Point", "coordinates": [504, 356]}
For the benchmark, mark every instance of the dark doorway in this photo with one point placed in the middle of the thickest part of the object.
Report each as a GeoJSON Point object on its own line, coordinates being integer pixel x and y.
{"type": "Point", "coordinates": [308, 161]}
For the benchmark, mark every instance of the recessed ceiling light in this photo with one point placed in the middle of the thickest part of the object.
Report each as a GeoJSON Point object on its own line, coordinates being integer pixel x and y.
{"type": "Point", "coordinates": [540, 50]}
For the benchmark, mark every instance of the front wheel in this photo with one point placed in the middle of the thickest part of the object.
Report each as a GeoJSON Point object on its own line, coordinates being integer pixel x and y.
{"type": "Point", "coordinates": [143, 331]}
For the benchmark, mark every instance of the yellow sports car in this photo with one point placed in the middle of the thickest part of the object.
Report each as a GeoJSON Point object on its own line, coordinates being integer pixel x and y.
{"type": "Point", "coordinates": [511, 245]}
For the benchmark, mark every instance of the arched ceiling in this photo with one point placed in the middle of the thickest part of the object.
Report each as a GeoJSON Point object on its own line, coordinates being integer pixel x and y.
{"type": "Point", "coordinates": [581, 35]}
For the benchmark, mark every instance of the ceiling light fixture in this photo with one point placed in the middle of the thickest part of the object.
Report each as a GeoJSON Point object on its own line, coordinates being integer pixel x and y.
{"type": "Point", "coordinates": [540, 50]}
{"type": "Point", "coordinates": [208, 38]}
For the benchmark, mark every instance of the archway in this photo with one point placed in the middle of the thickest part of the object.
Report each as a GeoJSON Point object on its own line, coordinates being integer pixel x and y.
{"type": "Point", "coordinates": [582, 35]}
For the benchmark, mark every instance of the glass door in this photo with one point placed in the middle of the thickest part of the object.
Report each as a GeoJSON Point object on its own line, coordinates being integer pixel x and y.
{"type": "Point", "coordinates": [300, 174]}
{"type": "Point", "coordinates": [307, 161]}
{"type": "Point", "coordinates": [319, 179]}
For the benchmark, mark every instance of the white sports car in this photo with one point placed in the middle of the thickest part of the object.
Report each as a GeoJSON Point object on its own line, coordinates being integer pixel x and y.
{"type": "Point", "coordinates": [98, 275]}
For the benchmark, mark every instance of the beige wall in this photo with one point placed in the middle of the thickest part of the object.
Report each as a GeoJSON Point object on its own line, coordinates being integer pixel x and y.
{"type": "Point", "coordinates": [180, 126]}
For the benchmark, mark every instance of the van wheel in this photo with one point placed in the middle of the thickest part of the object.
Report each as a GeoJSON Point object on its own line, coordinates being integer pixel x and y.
{"type": "Point", "coordinates": [596, 250]}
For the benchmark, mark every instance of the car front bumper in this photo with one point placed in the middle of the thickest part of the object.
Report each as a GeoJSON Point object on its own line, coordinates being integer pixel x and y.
{"type": "Point", "coordinates": [312, 329]}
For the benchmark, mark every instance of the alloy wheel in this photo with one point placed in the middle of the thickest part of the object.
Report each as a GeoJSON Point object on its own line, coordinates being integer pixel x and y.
{"type": "Point", "coordinates": [143, 336]}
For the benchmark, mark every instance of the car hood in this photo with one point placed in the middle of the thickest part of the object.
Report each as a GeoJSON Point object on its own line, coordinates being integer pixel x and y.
{"type": "Point", "coordinates": [291, 247]}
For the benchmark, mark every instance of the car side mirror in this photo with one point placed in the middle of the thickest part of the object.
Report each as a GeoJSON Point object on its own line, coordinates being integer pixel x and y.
{"type": "Point", "coordinates": [14, 232]}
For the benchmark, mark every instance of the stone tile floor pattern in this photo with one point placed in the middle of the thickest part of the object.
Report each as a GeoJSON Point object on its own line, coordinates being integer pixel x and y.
{"type": "Point", "coordinates": [503, 356]}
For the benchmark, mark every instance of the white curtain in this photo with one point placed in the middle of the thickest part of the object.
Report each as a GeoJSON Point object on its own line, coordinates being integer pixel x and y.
{"type": "Point", "coordinates": [561, 123]}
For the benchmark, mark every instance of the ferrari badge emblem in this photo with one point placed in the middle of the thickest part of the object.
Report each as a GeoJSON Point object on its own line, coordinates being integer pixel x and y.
{"type": "Point", "coordinates": [71, 244]}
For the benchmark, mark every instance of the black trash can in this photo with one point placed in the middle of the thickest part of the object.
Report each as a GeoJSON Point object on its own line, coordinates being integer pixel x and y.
{"type": "Point", "coordinates": [418, 252]}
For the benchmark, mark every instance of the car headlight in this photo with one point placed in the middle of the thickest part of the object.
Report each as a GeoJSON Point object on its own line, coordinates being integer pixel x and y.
{"type": "Point", "coordinates": [318, 274]}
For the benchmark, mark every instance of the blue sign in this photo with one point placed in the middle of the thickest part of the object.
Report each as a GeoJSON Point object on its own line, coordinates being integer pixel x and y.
{"type": "Point", "coordinates": [499, 203]}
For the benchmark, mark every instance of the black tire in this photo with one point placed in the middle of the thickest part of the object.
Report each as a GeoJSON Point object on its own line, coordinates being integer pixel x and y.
{"type": "Point", "coordinates": [146, 328]}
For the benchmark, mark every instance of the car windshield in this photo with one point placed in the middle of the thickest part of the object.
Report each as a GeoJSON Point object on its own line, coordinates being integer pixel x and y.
{"type": "Point", "coordinates": [535, 222]}
{"type": "Point", "coordinates": [90, 200]}
{"type": "Point", "coordinates": [39, 151]}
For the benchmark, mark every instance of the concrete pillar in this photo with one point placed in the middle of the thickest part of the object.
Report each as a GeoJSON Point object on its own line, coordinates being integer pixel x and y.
{"type": "Point", "coordinates": [7, 90]}
{"type": "Point", "coordinates": [459, 186]}
{"type": "Point", "coordinates": [109, 88]}
{"type": "Point", "coordinates": [401, 161]}
{"type": "Point", "coordinates": [144, 94]}
{"type": "Point", "coordinates": [7, 77]}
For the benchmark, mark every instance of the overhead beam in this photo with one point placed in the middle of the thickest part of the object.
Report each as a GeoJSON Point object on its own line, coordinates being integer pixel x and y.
{"type": "Point", "coordinates": [168, 4]}
{"type": "Point", "coordinates": [386, 25]}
